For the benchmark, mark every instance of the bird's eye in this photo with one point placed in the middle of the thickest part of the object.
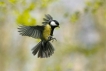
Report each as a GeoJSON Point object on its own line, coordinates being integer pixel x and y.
{"type": "Point", "coordinates": [53, 23]}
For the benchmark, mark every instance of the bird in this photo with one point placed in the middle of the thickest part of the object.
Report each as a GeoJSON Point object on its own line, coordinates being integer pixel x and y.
{"type": "Point", "coordinates": [44, 32]}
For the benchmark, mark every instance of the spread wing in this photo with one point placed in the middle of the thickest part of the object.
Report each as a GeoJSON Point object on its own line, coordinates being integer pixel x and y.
{"type": "Point", "coordinates": [47, 19]}
{"type": "Point", "coordinates": [31, 31]}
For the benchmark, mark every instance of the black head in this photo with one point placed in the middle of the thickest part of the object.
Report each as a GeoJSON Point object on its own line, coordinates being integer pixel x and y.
{"type": "Point", "coordinates": [54, 23]}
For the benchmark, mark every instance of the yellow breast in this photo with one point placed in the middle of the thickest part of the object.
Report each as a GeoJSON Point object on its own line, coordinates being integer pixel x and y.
{"type": "Point", "coordinates": [46, 32]}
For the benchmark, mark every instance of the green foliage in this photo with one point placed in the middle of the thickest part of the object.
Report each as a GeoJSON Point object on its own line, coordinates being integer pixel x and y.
{"type": "Point", "coordinates": [58, 67]}
{"type": "Point", "coordinates": [45, 3]}
{"type": "Point", "coordinates": [96, 6]}
{"type": "Point", "coordinates": [88, 3]}
{"type": "Point", "coordinates": [26, 19]}
{"type": "Point", "coordinates": [74, 17]}
{"type": "Point", "coordinates": [12, 1]}
{"type": "Point", "coordinates": [31, 7]}
{"type": "Point", "coordinates": [2, 4]}
{"type": "Point", "coordinates": [93, 5]}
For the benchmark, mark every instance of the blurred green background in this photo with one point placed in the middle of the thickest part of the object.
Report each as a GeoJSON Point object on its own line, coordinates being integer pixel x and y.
{"type": "Point", "coordinates": [81, 38]}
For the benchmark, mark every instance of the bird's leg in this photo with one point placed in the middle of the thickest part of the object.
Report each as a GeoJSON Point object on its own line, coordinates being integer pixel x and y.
{"type": "Point", "coordinates": [51, 38]}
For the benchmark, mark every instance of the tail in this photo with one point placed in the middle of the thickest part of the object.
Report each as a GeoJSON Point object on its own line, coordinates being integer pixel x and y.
{"type": "Point", "coordinates": [44, 49]}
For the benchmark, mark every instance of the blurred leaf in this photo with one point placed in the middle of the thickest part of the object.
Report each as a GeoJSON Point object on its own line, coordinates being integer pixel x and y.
{"type": "Point", "coordinates": [2, 4]}
{"type": "Point", "coordinates": [97, 4]}
{"type": "Point", "coordinates": [26, 19]}
{"type": "Point", "coordinates": [75, 17]}
{"type": "Point", "coordinates": [45, 3]}
{"type": "Point", "coordinates": [58, 67]}
{"type": "Point", "coordinates": [93, 6]}
{"type": "Point", "coordinates": [89, 3]}
{"type": "Point", "coordinates": [13, 1]}
{"type": "Point", "coordinates": [66, 14]}
{"type": "Point", "coordinates": [31, 7]}
{"type": "Point", "coordinates": [94, 10]}
{"type": "Point", "coordinates": [86, 9]}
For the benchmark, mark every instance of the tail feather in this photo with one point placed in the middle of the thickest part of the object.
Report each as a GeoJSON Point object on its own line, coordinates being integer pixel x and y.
{"type": "Point", "coordinates": [44, 49]}
{"type": "Point", "coordinates": [50, 48]}
{"type": "Point", "coordinates": [36, 48]}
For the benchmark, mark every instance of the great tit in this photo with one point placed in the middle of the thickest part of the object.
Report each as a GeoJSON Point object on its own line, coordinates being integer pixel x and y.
{"type": "Point", "coordinates": [44, 32]}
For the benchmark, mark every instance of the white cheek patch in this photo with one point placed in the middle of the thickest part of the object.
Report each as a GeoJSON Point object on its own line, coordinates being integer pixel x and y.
{"type": "Point", "coordinates": [53, 23]}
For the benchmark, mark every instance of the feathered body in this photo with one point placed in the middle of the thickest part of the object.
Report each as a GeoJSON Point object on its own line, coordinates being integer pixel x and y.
{"type": "Point", "coordinates": [45, 32]}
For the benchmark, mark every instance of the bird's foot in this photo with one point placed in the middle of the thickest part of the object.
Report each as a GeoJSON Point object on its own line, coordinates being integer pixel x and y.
{"type": "Point", "coordinates": [51, 38]}
{"type": "Point", "coordinates": [54, 39]}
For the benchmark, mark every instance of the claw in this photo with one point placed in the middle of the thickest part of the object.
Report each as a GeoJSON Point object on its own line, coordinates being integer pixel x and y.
{"type": "Point", "coordinates": [51, 38]}
{"type": "Point", "coordinates": [54, 39]}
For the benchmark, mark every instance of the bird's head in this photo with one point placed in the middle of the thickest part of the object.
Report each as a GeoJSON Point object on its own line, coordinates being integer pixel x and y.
{"type": "Point", "coordinates": [54, 23]}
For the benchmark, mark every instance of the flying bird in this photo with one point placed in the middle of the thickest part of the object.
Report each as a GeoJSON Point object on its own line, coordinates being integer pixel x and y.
{"type": "Point", "coordinates": [44, 32]}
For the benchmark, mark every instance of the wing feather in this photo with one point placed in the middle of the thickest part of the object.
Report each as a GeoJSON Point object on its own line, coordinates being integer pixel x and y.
{"type": "Point", "coordinates": [47, 19]}
{"type": "Point", "coordinates": [31, 31]}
